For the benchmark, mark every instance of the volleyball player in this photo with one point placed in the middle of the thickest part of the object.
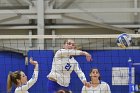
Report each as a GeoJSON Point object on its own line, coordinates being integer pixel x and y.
{"type": "Point", "coordinates": [97, 86]}
{"type": "Point", "coordinates": [62, 66]}
{"type": "Point", "coordinates": [19, 79]}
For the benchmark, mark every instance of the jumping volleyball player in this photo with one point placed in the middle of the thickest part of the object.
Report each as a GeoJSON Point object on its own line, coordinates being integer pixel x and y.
{"type": "Point", "coordinates": [62, 66]}
{"type": "Point", "coordinates": [19, 79]}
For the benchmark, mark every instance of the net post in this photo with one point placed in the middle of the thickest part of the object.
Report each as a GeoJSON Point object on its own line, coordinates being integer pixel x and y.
{"type": "Point", "coordinates": [131, 88]}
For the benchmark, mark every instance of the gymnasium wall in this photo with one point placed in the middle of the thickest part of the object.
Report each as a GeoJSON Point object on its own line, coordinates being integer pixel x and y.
{"type": "Point", "coordinates": [9, 61]}
{"type": "Point", "coordinates": [105, 60]}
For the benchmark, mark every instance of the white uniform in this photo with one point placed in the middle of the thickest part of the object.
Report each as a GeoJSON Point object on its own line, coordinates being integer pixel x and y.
{"type": "Point", "coordinates": [63, 65]}
{"type": "Point", "coordinates": [101, 88]}
{"type": "Point", "coordinates": [24, 88]}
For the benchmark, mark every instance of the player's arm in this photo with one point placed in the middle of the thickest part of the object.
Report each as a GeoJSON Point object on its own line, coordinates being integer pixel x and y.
{"type": "Point", "coordinates": [73, 52]}
{"type": "Point", "coordinates": [80, 74]}
{"type": "Point", "coordinates": [88, 56]}
{"type": "Point", "coordinates": [36, 69]}
{"type": "Point", "coordinates": [34, 78]}
{"type": "Point", "coordinates": [68, 52]}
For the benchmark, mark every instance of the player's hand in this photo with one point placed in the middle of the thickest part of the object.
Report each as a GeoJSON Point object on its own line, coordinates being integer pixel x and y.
{"type": "Point", "coordinates": [87, 84]}
{"type": "Point", "coordinates": [88, 57]}
{"type": "Point", "coordinates": [33, 62]}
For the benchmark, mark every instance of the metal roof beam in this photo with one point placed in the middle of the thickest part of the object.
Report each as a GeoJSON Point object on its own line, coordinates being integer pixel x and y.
{"type": "Point", "coordinates": [62, 11]}
{"type": "Point", "coordinates": [64, 26]}
{"type": "Point", "coordinates": [13, 2]}
{"type": "Point", "coordinates": [29, 2]}
{"type": "Point", "coordinates": [28, 17]}
{"type": "Point", "coordinates": [102, 25]}
{"type": "Point", "coordinates": [10, 18]}
{"type": "Point", "coordinates": [65, 4]}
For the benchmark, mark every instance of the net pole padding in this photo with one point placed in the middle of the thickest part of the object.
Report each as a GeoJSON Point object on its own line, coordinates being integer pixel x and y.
{"type": "Point", "coordinates": [63, 36]}
{"type": "Point", "coordinates": [26, 60]}
{"type": "Point", "coordinates": [130, 75]}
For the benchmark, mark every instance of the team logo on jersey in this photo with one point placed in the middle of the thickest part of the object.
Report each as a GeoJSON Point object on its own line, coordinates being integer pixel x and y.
{"type": "Point", "coordinates": [68, 66]}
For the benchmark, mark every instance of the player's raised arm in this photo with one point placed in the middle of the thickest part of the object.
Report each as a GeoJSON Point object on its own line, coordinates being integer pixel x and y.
{"type": "Point", "coordinates": [35, 63]}
{"type": "Point", "coordinates": [88, 56]}
{"type": "Point", "coordinates": [19, 79]}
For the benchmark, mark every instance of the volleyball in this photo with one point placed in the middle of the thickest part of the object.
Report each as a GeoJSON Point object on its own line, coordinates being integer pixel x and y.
{"type": "Point", "coordinates": [124, 40]}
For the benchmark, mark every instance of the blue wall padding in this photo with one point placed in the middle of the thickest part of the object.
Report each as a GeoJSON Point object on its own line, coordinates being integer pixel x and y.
{"type": "Point", "coordinates": [102, 59]}
{"type": "Point", "coordinates": [9, 61]}
{"type": "Point", "coordinates": [44, 59]}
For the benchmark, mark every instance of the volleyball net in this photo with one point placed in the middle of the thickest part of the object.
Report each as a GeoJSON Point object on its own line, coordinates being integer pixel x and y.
{"type": "Point", "coordinates": [107, 56]}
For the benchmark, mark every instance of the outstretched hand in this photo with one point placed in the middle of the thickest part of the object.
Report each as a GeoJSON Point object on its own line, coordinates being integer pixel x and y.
{"type": "Point", "coordinates": [88, 57]}
{"type": "Point", "coordinates": [87, 84]}
{"type": "Point", "coordinates": [33, 62]}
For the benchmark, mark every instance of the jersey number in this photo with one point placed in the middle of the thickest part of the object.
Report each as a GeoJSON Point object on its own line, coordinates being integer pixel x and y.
{"type": "Point", "coordinates": [68, 66]}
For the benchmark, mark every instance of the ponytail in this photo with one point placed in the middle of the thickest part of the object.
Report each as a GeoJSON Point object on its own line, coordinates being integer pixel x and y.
{"type": "Point", "coordinates": [12, 78]}
{"type": "Point", "coordinates": [9, 83]}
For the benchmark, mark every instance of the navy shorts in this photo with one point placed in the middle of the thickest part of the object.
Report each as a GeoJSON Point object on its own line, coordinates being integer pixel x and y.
{"type": "Point", "coordinates": [53, 87]}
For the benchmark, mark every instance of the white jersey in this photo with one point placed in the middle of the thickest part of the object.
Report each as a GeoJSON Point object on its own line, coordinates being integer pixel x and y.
{"type": "Point", "coordinates": [101, 88]}
{"type": "Point", "coordinates": [24, 88]}
{"type": "Point", "coordinates": [63, 65]}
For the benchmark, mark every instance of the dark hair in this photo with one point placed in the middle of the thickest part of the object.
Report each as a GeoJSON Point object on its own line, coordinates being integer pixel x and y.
{"type": "Point", "coordinates": [12, 78]}
{"type": "Point", "coordinates": [62, 91]}
{"type": "Point", "coordinates": [98, 71]}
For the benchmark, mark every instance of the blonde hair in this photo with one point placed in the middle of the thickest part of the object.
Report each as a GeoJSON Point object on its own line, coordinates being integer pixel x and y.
{"type": "Point", "coordinates": [12, 79]}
